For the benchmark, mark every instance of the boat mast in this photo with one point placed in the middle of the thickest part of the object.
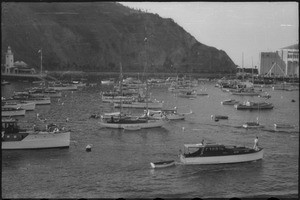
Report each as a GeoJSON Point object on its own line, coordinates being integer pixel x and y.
{"type": "Point", "coordinates": [121, 87]}
{"type": "Point", "coordinates": [145, 69]}
{"type": "Point", "coordinates": [146, 63]}
{"type": "Point", "coordinates": [252, 71]}
{"type": "Point", "coordinates": [40, 51]}
{"type": "Point", "coordinates": [243, 65]}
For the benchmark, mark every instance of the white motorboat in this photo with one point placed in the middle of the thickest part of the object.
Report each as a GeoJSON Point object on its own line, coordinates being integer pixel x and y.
{"type": "Point", "coordinates": [15, 138]}
{"type": "Point", "coordinates": [11, 111]}
{"type": "Point", "coordinates": [218, 154]}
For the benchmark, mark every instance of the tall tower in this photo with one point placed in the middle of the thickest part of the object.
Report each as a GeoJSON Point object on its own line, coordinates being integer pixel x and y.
{"type": "Point", "coordinates": [9, 58]}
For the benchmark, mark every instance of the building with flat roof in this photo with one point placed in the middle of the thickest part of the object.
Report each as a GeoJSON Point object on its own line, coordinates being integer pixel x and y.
{"type": "Point", "coordinates": [284, 62]}
{"type": "Point", "coordinates": [290, 57]}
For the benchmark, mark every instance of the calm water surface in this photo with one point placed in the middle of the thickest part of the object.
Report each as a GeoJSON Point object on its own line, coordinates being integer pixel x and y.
{"type": "Point", "coordinates": [118, 165]}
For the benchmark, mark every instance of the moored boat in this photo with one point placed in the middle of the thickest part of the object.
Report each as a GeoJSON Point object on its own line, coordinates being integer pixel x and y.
{"type": "Point", "coordinates": [63, 86]}
{"type": "Point", "coordinates": [15, 138]}
{"type": "Point", "coordinates": [3, 82]}
{"type": "Point", "coordinates": [11, 111]}
{"type": "Point", "coordinates": [252, 125]}
{"type": "Point", "coordinates": [113, 99]}
{"type": "Point", "coordinates": [253, 105]}
{"type": "Point", "coordinates": [283, 126]}
{"type": "Point", "coordinates": [218, 117]}
{"type": "Point", "coordinates": [29, 98]}
{"type": "Point", "coordinates": [229, 102]}
{"type": "Point", "coordinates": [110, 81]}
{"type": "Point", "coordinates": [136, 104]}
{"type": "Point", "coordinates": [19, 104]}
{"type": "Point", "coordinates": [131, 123]}
{"type": "Point", "coordinates": [219, 154]}
{"type": "Point", "coordinates": [170, 114]}
{"type": "Point", "coordinates": [45, 92]}
{"type": "Point", "coordinates": [187, 94]}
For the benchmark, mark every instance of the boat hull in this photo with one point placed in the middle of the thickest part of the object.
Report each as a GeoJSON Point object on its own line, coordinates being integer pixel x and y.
{"type": "Point", "coordinates": [163, 164]}
{"type": "Point", "coordinates": [250, 127]}
{"type": "Point", "coordinates": [39, 140]}
{"type": "Point", "coordinates": [222, 159]}
{"type": "Point", "coordinates": [134, 126]}
{"type": "Point", "coordinates": [116, 99]}
{"type": "Point", "coordinates": [64, 88]}
{"type": "Point", "coordinates": [283, 126]}
{"type": "Point", "coordinates": [140, 105]}
{"type": "Point", "coordinates": [192, 96]}
{"type": "Point", "coordinates": [52, 95]}
{"type": "Point", "coordinates": [245, 107]}
{"type": "Point", "coordinates": [25, 106]}
{"type": "Point", "coordinates": [40, 101]}
{"type": "Point", "coordinates": [245, 94]}
{"type": "Point", "coordinates": [20, 112]}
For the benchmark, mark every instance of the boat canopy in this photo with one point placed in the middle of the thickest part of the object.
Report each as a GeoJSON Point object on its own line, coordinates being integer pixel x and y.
{"type": "Point", "coordinates": [202, 145]}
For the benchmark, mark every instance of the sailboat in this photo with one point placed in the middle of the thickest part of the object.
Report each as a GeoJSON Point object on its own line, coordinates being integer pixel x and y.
{"type": "Point", "coordinates": [128, 122]}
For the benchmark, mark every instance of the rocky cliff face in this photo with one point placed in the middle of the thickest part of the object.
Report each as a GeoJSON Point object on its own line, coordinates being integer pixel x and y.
{"type": "Point", "coordinates": [99, 36]}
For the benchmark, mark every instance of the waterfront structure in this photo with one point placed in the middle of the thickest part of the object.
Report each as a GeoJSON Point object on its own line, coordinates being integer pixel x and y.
{"type": "Point", "coordinates": [284, 62]}
{"type": "Point", "coordinates": [18, 69]}
{"type": "Point", "coordinates": [290, 57]}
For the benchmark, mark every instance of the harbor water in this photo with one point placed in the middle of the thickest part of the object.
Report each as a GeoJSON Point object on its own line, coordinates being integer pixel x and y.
{"type": "Point", "coordinates": [119, 162]}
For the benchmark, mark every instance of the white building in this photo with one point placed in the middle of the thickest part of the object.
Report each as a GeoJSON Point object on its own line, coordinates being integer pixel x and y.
{"type": "Point", "coordinates": [290, 57]}
{"type": "Point", "coordinates": [284, 62]}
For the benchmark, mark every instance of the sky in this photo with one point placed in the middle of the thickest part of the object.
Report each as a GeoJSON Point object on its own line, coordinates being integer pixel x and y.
{"type": "Point", "coordinates": [241, 29]}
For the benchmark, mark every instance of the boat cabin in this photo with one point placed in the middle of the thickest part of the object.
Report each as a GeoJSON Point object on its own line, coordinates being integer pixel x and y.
{"type": "Point", "coordinates": [204, 150]}
{"type": "Point", "coordinates": [10, 126]}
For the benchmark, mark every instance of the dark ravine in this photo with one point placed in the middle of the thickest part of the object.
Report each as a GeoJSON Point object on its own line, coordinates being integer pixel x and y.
{"type": "Point", "coordinates": [98, 36]}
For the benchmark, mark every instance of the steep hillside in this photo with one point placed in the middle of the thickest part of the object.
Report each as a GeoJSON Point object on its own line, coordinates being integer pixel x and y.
{"type": "Point", "coordinates": [98, 36]}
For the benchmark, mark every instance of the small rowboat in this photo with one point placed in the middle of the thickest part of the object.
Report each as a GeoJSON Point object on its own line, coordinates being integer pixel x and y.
{"type": "Point", "coordinates": [284, 126]}
{"type": "Point", "coordinates": [252, 125]}
{"type": "Point", "coordinates": [218, 117]}
{"type": "Point", "coordinates": [163, 164]}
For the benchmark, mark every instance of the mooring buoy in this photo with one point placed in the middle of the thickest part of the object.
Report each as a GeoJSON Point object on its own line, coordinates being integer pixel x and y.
{"type": "Point", "coordinates": [88, 148]}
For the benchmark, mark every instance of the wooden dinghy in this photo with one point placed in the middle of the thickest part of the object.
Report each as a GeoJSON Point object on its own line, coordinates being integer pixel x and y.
{"type": "Point", "coordinates": [163, 164]}
{"type": "Point", "coordinates": [218, 117]}
{"type": "Point", "coordinates": [283, 126]}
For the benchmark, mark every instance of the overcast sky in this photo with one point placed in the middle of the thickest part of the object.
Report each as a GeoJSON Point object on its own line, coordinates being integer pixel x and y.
{"type": "Point", "coordinates": [236, 27]}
